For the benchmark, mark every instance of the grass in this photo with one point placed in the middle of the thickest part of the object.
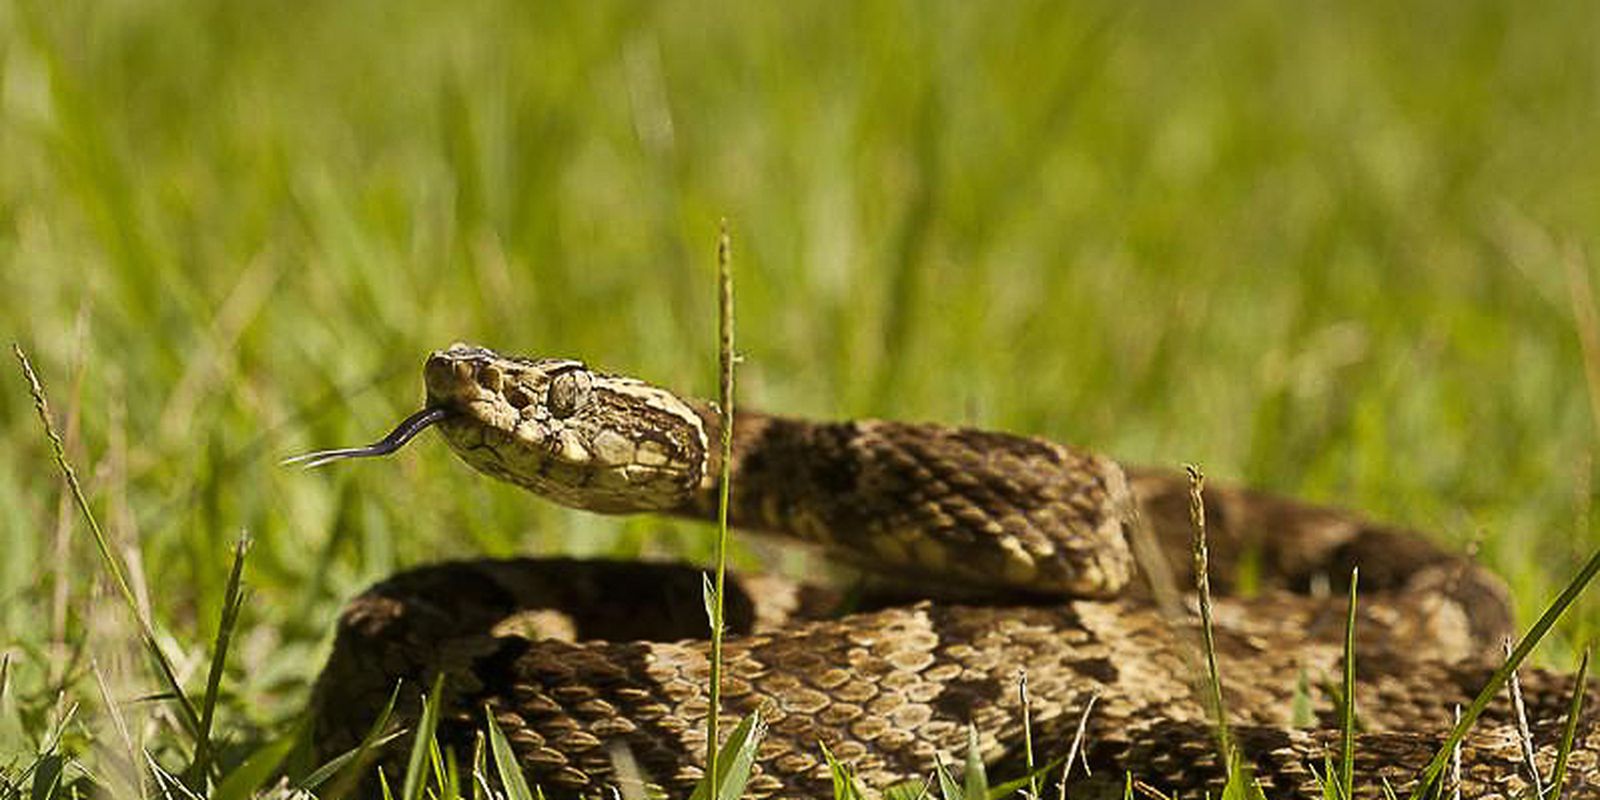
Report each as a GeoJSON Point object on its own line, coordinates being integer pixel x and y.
{"type": "Point", "coordinates": [726, 358]}
{"type": "Point", "coordinates": [1558, 773]}
{"type": "Point", "coordinates": [1212, 682]}
{"type": "Point", "coordinates": [1347, 702]}
{"type": "Point", "coordinates": [1357, 243]}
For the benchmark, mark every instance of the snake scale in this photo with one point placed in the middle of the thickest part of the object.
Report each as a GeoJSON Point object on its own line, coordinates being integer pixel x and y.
{"type": "Point", "coordinates": [1005, 556]}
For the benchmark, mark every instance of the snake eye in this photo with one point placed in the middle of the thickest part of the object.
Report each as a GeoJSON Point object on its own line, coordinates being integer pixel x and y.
{"type": "Point", "coordinates": [568, 392]}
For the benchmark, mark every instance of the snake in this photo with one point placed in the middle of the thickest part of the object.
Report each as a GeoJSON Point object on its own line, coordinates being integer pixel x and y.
{"type": "Point", "coordinates": [1014, 602]}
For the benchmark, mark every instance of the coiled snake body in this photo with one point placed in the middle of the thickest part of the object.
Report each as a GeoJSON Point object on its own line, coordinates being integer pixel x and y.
{"type": "Point", "coordinates": [598, 674]}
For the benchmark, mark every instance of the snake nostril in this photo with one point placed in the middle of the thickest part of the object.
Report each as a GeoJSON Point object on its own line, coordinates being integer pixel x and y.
{"type": "Point", "coordinates": [438, 375]}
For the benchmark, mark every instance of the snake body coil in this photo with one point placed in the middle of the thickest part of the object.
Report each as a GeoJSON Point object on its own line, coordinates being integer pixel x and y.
{"type": "Point", "coordinates": [595, 669]}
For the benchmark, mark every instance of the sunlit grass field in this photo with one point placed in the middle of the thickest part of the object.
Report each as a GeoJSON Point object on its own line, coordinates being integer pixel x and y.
{"type": "Point", "coordinates": [1343, 253]}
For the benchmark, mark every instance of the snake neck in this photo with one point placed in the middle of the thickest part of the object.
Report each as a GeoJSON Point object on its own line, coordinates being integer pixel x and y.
{"type": "Point", "coordinates": [744, 509]}
{"type": "Point", "coordinates": [958, 505]}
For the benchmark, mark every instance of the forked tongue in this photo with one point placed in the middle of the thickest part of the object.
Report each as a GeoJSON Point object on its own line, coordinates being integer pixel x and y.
{"type": "Point", "coordinates": [397, 438]}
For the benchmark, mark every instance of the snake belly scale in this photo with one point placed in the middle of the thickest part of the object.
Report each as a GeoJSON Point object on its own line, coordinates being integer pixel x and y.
{"type": "Point", "coordinates": [598, 675]}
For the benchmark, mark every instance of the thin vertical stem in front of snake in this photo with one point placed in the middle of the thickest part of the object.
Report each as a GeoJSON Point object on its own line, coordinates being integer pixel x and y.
{"type": "Point", "coordinates": [1197, 519]}
{"type": "Point", "coordinates": [1558, 773]}
{"type": "Point", "coordinates": [1347, 704]}
{"type": "Point", "coordinates": [725, 362]}
{"type": "Point", "coordinates": [1519, 716]}
{"type": "Point", "coordinates": [397, 438]}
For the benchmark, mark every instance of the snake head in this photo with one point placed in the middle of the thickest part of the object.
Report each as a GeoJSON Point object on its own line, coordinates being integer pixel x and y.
{"type": "Point", "coordinates": [581, 438]}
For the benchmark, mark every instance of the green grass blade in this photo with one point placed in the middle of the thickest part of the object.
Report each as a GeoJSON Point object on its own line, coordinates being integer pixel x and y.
{"type": "Point", "coordinates": [974, 777]}
{"type": "Point", "coordinates": [352, 758]}
{"type": "Point", "coordinates": [1015, 785]}
{"type": "Point", "coordinates": [1242, 783]}
{"type": "Point", "coordinates": [441, 770]}
{"type": "Point", "coordinates": [1388, 791]}
{"type": "Point", "coordinates": [1569, 732]}
{"type": "Point", "coordinates": [1325, 779]}
{"type": "Point", "coordinates": [450, 769]}
{"type": "Point", "coordinates": [1301, 714]}
{"type": "Point", "coordinates": [46, 777]}
{"type": "Point", "coordinates": [232, 601]}
{"type": "Point", "coordinates": [948, 788]}
{"type": "Point", "coordinates": [1435, 768]}
{"type": "Point", "coordinates": [737, 759]}
{"type": "Point", "coordinates": [170, 785]}
{"type": "Point", "coordinates": [907, 790]}
{"type": "Point", "coordinates": [505, 762]}
{"type": "Point", "coordinates": [708, 597]}
{"type": "Point", "coordinates": [253, 773]}
{"type": "Point", "coordinates": [845, 785]}
{"type": "Point", "coordinates": [480, 768]}
{"type": "Point", "coordinates": [1347, 709]}
{"type": "Point", "coordinates": [422, 744]}
{"type": "Point", "coordinates": [349, 765]}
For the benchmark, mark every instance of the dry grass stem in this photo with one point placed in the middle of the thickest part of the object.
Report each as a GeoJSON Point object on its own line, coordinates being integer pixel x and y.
{"type": "Point", "coordinates": [1197, 521]}
{"type": "Point", "coordinates": [189, 716]}
{"type": "Point", "coordinates": [1455, 762]}
{"type": "Point", "coordinates": [1075, 749]}
{"type": "Point", "coordinates": [1524, 736]}
{"type": "Point", "coordinates": [725, 363]}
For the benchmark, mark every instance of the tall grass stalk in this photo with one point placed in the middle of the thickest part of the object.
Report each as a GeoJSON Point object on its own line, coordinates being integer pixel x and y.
{"type": "Point", "coordinates": [147, 635]}
{"type": "Point", "coordinates": [1197, 519]}
{"type": "Point", "coordinates": [725, 397]}
{"type": "Point", "coordinates": [232, 601]}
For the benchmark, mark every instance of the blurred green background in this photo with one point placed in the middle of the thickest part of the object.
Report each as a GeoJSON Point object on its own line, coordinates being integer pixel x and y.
{"type": "Point", "coordinates": [1327, 250]}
